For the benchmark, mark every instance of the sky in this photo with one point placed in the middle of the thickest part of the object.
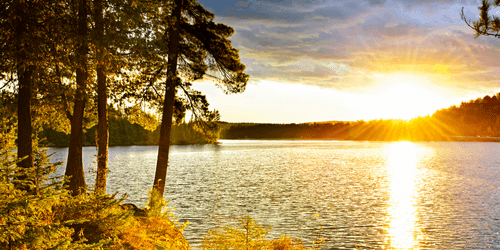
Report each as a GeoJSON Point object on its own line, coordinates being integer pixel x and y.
{"type": "Point", "coordinates": [338, 60]}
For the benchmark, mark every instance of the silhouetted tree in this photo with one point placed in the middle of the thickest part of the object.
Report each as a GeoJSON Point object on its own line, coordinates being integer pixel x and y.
{"type": "Point", "coordinates": [106, 42]}
{"type": "Point", "coordinates": [74, 165]}
{"type": "Point", "coordinates": [102, 99]}
{"type": "Point", "coordinates": [23, 43]}
{"type": "Point", "coordinates": [117, 31]}
{"type": "Point", "coordinates": [25, 68]}
{"type": "Point", "coordinates": [199, 45]}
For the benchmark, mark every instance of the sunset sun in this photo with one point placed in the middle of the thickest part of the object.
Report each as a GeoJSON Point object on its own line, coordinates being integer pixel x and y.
{"type": "Point", "coordinates": [403, 97]}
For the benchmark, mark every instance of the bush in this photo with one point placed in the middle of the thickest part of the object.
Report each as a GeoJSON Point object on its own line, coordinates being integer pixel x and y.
{"type": "Point", "coordinates": [286, 243]}
{"type": "Point", "coordinates": [248, 235]}
{"type": "Point", "coordinates": [155, 230]}
{"type": "Point", "coordinates": [37, 212]}
{"type": "Point", "coordinates": [27, 219]}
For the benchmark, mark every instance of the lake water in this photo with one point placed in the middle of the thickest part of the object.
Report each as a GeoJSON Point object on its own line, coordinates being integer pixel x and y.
{"type": "Point", "coordinates": [369, 195]}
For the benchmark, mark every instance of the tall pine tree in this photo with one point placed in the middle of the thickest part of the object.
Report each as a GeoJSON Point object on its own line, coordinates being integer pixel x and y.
{"type": "Point", "coordinates": [102, 99]}
{"type": "Point", "coordinates": [110, 46]}
{"type": "Point", "coordinates": [23, 43]}
{"type": "Point", "coordinates": [201, 46]}
{"type": "Point", "coordinates": [74, 165]}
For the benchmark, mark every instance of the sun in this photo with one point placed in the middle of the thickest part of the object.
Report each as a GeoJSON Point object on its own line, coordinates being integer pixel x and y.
{"type": "Point", "coordinates": [406, 101]}
{"type": "Point", "coordinates": [404, 97]}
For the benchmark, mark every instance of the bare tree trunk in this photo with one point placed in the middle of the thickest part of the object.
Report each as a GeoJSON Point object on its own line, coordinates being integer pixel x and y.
{"type": "Point", "coordinates": [168, 103]}
{"type": "Point", "coordinates": [74, 167]}
{"type": "Point", "coordinates": [24, 75]}
{"type": "Point", "coordinates": [102, 98]}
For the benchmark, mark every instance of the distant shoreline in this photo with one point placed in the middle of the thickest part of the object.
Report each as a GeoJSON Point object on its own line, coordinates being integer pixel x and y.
{"type": "Point", "coordinates": [454, 138]}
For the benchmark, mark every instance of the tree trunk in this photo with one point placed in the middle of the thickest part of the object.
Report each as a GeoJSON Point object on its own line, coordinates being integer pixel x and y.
{"type": "Point", "coordinates": [168, 103]}
{"type": "Point", "coordinates": [24, 128]}
{"type": "Point", "coordinates": [24, 74]}
{"type": "Point", "coordinates": [74, 167]}
{"type": "Point", "coordinates": [102, 98]}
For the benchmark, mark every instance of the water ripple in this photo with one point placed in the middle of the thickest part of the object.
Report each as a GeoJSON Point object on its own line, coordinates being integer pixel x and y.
{"type": "Point", "coordinates": [444, 195]}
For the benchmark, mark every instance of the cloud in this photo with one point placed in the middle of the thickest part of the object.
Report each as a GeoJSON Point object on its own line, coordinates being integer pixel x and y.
{"type": "Point", "coordinates": [290, 11]}
{"type": "Point", "coordinates": [241, 4]}
{"type": "Point", "coordinates": [343, 44]}
{"type": "Point", "coordinates": [414, 3]}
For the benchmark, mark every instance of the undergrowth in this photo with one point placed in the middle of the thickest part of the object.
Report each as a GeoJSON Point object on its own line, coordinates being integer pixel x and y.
{"type": "Point", "coordinates": [37, 212]}
{"type": "Point", "coordinates": [248, 235]}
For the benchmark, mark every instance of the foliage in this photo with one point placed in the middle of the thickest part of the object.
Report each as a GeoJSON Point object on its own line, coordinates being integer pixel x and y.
{"type": "Point", "coordinates": [249, 235]}
{"type": "Point", "coordinates": [192, 133]}
{"type": "Point", "coordinates": [101, 219]}
{"type": "Point", "coordinates": [27, 220]}
{"type": "Point", "coordinates": [47, 217]}
{"type": "Point", "coordinates": [54, 52]}
{"type": "Point", "coordinates": [286, 243]}
{"type": "Point", "coordinates": [159, 228]}
{"type": "Point", "coordinates": [486, 25]}
{"type": "Point", "coordinates": [124, 133]}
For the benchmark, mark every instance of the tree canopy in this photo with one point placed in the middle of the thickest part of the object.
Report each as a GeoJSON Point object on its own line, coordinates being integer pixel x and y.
{"type": "Point", "coordinates": [67, 62]}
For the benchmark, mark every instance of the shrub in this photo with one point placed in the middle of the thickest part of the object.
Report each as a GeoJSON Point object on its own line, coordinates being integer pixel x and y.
{"type": "Point", "coordinates": [156, 229]}
{"type": "Point", "coordinates": [27, 219]}
{"type": "Point", "coordinates": [286, 243]}
{"type": "Point", "coordinates": [248, 235]}
{"type": "Point", "coordinates": [36, 211]}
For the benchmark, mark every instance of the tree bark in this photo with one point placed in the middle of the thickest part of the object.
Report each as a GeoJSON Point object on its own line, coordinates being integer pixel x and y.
{"type": "Point", "coordinates": [102, 98]}
{"type": "Point", "coordinates": [168, 103]}
{"type": "Point", "coordinates": [24, 75]}
{"type": "Point", "coordinates": [24, 127]}
{"type": "Point", "coordinates": [74, 167]}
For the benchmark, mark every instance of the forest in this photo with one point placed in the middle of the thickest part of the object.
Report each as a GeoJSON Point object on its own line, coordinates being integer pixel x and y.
{"type": "Point", "coordinates": [66, 63]}
{"type": "Point", "coordinates": [124, 132]}
{"type": "Point", "coordinates": [69, 72]}
{"type": "Point", "coordinates": [475, 120]}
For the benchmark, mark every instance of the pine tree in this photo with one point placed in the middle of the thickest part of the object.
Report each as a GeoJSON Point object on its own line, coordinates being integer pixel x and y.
{"type": "Point", "coordinates": [74, 165]}
{"type": "Point", "coordinates": [24, 37]}
{"type": "Point", "coordinates": [112, 45]}
{"type": "Point", "coordinates": [486, 25]}
{"type": "Point", "coordinates": [102, 99]}
{"type": "Point", "coordinates": [199, 45]}
{"type": "Point", "coordinates": [17, 59]}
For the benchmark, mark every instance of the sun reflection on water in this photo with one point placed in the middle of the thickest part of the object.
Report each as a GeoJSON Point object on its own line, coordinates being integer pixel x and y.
{"type": "Point", "coordinates": [402, 218]}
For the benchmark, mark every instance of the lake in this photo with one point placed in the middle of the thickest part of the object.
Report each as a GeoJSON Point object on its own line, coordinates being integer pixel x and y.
{"type": "Point", "coordinates": [369, 195]}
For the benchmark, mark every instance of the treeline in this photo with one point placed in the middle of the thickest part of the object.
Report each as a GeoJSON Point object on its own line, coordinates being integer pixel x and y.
{"type": "Point", "coordinates": [376, 130]}
{"type": "Point", "coordinates": [478, 118]}
{"type": "Point", "coordinates": [124, 132]}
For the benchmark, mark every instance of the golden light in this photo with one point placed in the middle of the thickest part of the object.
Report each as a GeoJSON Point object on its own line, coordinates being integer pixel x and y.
{"type": "Point", "coordinates": [402, 218]}
{"type": "Point", "coordinates": [404, 97]}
